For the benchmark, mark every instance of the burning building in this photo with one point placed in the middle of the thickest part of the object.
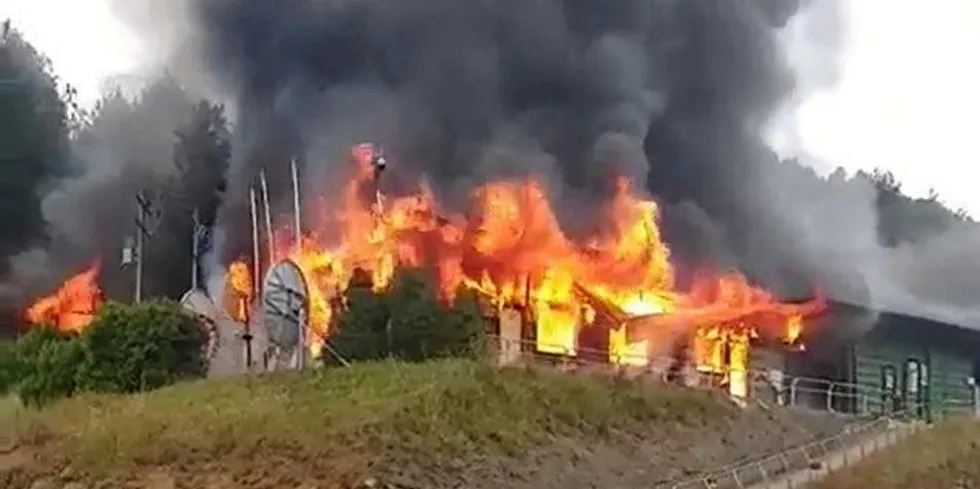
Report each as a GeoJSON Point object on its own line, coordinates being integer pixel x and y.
{"type": "Point", "coordinates": [610, 296]}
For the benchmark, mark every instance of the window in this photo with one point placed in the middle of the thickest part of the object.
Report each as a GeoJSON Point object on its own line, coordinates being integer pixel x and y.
{"type": "Point", "coordinates": [912, 379]}
{"type": "Point", "coordinates": [888, 379]}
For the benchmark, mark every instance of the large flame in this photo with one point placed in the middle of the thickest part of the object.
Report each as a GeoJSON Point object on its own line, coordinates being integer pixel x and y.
{"type": "Point", "coordinates": [72, 306]}
{"type": "Point", "coordinates": [238, 291]}
{"type": "Point", "coordinates": [510, 248]}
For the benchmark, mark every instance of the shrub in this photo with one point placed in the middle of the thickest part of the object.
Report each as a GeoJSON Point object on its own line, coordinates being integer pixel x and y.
{"type": "Point", "coordinates": [43, 366]}
{"type": "Point", "coordinates": [131, 348]}
{"type": "Point", "coordinates": [407, 322]}
{"type": "Point", "coordinates": [8, 367]}
{"type": "Point", "coordinates": [52, 373]}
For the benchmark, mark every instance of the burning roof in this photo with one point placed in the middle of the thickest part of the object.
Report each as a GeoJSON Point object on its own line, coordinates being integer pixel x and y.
{"type": "Point", "coordinates": [509, 247]}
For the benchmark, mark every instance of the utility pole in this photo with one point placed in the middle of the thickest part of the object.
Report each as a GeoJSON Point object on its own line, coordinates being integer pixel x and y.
{"type": "Point", "coordinates": [201, 233]}
{"type": "Point", "coordinates": [147, 218]}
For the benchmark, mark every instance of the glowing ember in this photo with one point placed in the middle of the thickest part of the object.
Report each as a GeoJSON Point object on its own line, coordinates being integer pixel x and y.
{"type": "Point", "coordinates": [510, 248]}
{"type": "Point", "coordinates": [72, 306]}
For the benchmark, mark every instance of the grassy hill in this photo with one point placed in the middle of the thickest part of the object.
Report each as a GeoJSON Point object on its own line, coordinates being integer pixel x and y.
{"type": "Point", "coordinates": [416, 425]}
{"type": "Point", "coordinates": [944, 457]}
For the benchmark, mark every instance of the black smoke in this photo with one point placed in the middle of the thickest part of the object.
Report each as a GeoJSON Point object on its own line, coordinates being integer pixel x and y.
{"type": "Point", "coordinates": [673, 94]}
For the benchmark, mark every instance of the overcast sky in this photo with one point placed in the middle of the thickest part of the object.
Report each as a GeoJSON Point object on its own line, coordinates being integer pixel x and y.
{"type": "Point", "coordinates": [907, 100]}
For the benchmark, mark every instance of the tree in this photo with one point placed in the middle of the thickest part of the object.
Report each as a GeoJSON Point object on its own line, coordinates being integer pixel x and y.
{"type": "Point", "coordinates": [201, 155]}
{"type": "Point", "coordinates": [34, 132]}
{"type": "Point", "coordinates": [407, 321]}
{"type": "Point", "coordinates": [132, 348]}
{"type": "Point", "coordinates": [903, 219]}
{"type": "Point", "coordinates": [163, 142]}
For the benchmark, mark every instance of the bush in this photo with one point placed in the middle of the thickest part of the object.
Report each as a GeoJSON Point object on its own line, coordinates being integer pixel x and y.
{"type": "Point", "coordinates": [43, 365]}
{"type": "Point", "coordinates": [406, 322]}
{"type": "Point", "coordinates": [131, 348]}
{"type": "Point", "coordinates": [8, 367]}
{"type": "Point", "coordinates": [52, 373]}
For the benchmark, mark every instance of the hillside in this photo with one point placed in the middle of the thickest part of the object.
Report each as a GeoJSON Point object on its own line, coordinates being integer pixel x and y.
{"type": "Point", "coordinates": [431, 425]}
{"type": "Point", "coordinates": [944, 457]}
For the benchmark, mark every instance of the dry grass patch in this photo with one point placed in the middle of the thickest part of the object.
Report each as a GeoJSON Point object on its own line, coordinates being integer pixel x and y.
{"type": "Point", "coordinates": [944, 457]}
{"type": "Point", "coordinates": [349, 419]}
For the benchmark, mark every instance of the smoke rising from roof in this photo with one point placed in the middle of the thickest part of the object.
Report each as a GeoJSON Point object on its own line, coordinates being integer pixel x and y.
{"type": "Point", "coordinates": [679, 95]}
{"type": "Point", "coordinates": [672, 93]}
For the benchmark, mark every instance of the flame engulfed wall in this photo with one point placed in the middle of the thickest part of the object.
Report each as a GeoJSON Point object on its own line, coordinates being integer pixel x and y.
{"type": "Point", "coordinates": [510, 248]}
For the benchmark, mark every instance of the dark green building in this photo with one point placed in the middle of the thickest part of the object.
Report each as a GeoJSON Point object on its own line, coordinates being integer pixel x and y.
{"type": "Point", "coordinates": [875, 362]}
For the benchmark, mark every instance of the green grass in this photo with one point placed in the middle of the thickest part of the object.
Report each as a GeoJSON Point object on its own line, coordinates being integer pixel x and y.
{"type": "Point", "coordinates": [944, 457]}
{"type": "Point", "coordinates": [370, 412]}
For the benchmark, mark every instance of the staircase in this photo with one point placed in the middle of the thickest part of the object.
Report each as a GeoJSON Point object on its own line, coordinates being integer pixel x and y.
{"type": "Point", "coordinates": [798, 466]}
{"type": "Point", "coordinates": [843, 457]}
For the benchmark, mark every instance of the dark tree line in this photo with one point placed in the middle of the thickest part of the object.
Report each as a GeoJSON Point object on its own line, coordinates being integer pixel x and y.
{"type": "Point", "coordinates": [68, 178]}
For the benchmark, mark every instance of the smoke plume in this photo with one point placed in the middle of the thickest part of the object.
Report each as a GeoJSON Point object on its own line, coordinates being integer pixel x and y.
{"type": "Point", "coordinates": [671, 94]}
{"type": "Point", "coordinates": [681, 96]}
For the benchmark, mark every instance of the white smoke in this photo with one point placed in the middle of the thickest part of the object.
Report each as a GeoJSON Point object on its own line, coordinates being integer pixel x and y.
{"type": "Point", "coordinates": [897, 97]}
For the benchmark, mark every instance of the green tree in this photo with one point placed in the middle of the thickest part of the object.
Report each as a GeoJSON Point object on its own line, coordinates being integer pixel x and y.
{"type": "Point", "coordinates": [201, 155]}
{"type": "Point", "coordinates": [408, 322]}
{"type": "Point", "coordinates": [903, 219]}
{"type": "Point", "coordinates": [34, 135]}
{"type": "Point", "coordinates": [172, 146]}
{"type": "Point", "coordinates": [132, 348]}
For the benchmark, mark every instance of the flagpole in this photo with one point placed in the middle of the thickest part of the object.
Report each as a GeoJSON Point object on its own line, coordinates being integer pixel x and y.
{"type": "Point", "coordinates": [297, 221]}
{"type": "Point", "coordinates": [301, 352]}
{"type": "Point", "coordinates": [256, 259]}
{"type": "Point", "coordinates": [268, 215]}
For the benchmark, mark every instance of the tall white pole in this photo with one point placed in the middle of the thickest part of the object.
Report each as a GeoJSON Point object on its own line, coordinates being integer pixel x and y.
{"type": "Point", "coordinates": [268, 216]}
{"type": "Point", "coordinates": [256, 259]}
{"type": "Point", "coordinates": [256, 276]}
{"type": "Point", "coordinates": [297, 221]}
{"type": "Point", "coordinates": [304, 318]}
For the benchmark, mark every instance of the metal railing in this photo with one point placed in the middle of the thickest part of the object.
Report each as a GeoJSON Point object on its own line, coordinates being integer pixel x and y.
{"type": "Point", "coordinates": [789, 391]}
{"type": "Point", "coordinates": [814, 459]}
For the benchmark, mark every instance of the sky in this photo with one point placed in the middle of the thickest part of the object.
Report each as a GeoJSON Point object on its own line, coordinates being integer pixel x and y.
{"type": "Point", "coordinates": [906, 97]}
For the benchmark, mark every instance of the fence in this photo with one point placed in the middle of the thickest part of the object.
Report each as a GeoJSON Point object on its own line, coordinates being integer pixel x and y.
{"type": "Point", "coordinates": [834, 396]}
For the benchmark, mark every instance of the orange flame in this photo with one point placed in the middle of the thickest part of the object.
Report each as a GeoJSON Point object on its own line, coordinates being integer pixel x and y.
{"type": "Point", "coordinates": [238, 291]}
{"type": "Point", "coordinates": [510, 248]}
{"type": "Point", "coordinates": [72, 306]}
